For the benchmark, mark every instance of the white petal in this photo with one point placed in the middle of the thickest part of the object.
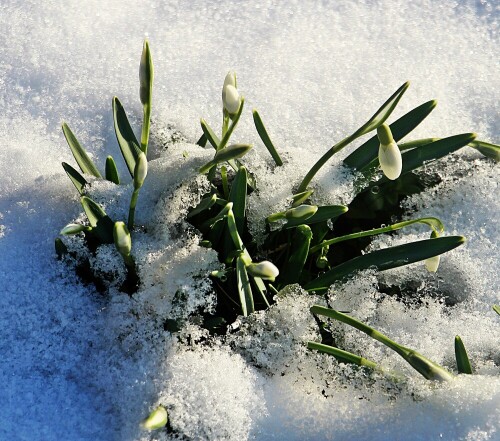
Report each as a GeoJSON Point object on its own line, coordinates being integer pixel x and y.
{"type": "Point", "coordinates": [231, 99]}
{"type": "Point", "coordinates": [390, 160]}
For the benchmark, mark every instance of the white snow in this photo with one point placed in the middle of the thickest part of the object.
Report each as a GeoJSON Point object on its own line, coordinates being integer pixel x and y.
{"type": "Point", "coordinates": [82, 365]}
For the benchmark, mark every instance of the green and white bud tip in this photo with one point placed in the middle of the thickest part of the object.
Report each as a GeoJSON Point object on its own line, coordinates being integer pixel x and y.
{"type": "Point", "coordinates": [389, 154]}
{"type": "Point", "coordinates": [301, 212]}
{"type": "Point", "coordinates": [141, 170]}
{"type": "Point", "coordinates": [265, 270]}
{"type": "Point", "coordinates": [156, 420]}
{"type": "Point", "coordinates": [123, 241]}
{"type": "Point", "coordinates": [74, 229]}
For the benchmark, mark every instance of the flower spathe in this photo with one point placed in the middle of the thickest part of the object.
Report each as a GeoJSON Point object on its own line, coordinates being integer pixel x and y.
{"type": "Point", "coordinates": [265, 270]}
{"type": "Point", "coordinates": [389, 154]}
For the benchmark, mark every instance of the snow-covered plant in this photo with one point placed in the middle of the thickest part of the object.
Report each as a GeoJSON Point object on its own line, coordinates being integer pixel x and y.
{"type": "Point", "coordinates": [102, 229]}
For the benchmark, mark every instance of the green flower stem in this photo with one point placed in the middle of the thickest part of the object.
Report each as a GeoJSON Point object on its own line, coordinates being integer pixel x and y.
{"type": "Point", "coordinates": [344, 356]}
{"type": "Point", "coordinates": [229, 132]}
{"type": "Point", "coordinates": [433, 222]}
{"type": "Point", "coordinates": [225, 122]}
{"type": "Point", "coordinates": [424, 366]}
{"type": "Point", "coordinates": [131, 211]}
{"type": "Point", "coordinates": [324, 159]}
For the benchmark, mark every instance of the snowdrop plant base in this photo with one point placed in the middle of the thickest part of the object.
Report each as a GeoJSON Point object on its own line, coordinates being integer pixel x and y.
{"type": "Point", "coordinates": [299, 246]}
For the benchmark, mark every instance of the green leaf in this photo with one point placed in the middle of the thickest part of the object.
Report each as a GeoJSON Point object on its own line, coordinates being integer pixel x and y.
{"type": "Point", "coordinates": [112, 171]}
{"type": "Point", "coordinates": [202, 142]}
{"type": "Point", "coordinates": [125, 136]}
{"type": "Point", "coordinates": [99, 220]}
{"type": "Point", "coordinates": [81, 157]}
{"type": "Point", "coordinates": [385, 259]}
{"type": "Point", "coordinates": [489, 150]}
{"type": "Point", "coordinates": [261, 130]}
{"type": "Point", "coordinates": [300, 198]}
{"type": "Point", "coordinates": [384, 112]}
{"type": "Point", "coordinates": [323, 214]}
{"type": "Point", "coordinates": [299, 250]}
{"type": "Point", "coordinates": [415, 158]}
{"type": "Point", "coordinates": [78, 180]}
{"type": "Point", "coordinates": [463, 362]}
{"type": "Point", "coordinates": [368, 151]}
{"type": "Point", "coordinates": [210, 134]}
{"type": "Point", "coordinates": [496, 308]}
{"type": "Point", "coordinates": [342, 356]}
{"type": "Point", "coordinates": [238, 196]}
{"type": "Point", "coordinates": [244, 288]}
{"type": "Point", "coordinates": [146, 73]}
{"type": "Point", "coordinates": [204, 204]}
{"type": "Point", "coordinates": [60, 247]}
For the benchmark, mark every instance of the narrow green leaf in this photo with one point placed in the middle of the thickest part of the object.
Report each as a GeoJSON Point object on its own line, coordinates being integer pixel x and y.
{"type": "Point", "coordinates": [84, 162]}
{"type": "Point", "coordinates": [300, 198]}
{"type": "Point", "coordinates": [204, 204]}
{"type": "Point", "coordinates": [78, 180]}
{"type": "Point", "coordinates": [146, 74]}
{"type": "Point", "coordinates": [496, 308]}
{"type": "Point", "coordinates": [323, 214]}
{"type": "Point", "coordinates": [384, 112]}
{"type": "Point", "coordinates": [342, 356]}
{"type": "Point", "coordinates": [210, 134]}
{"type": "Point", "coordinates": [244, 288]}
{"type": "Point", "coordinates": [385, 259]}
{"type": "Point", "coordinates": [415, 158]}
{"type": "Point", "coordinates": [112, 171]}
{"type": "Point", "coordinates": [261, 130]}
{"type": "Point", "coordinates": [238, 196]}
{"type": "Point", "coordinates": [368, 151]}
{"type": "Point", "coordinates": [202, 142]}
{"type": "Point", "coordinates": [463, 362]}
{"type": "Point", "coordinates": [99, 220]}
{"type": "Point", "coordinates": [489, 150]}
{"type": "Point", "coordinates": [261, 288]}
{"type": "Point", "coordinates": [60, 247]}
{"type": "Point", "coordinates": [298, 255]}
{"type": "Point", "coordinates": [125, 136]}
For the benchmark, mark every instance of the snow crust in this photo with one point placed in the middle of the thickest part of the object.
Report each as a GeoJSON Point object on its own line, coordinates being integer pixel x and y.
{"type": "Point", "coordinates": [79, 365]}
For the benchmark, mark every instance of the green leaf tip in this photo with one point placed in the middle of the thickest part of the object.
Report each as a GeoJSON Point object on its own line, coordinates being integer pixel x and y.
{"type": "Point", "coordinates": [156, 419]}
{"type": "Point", "coordinates": [82, 158]}
{"type": "Point", "coordinates": [496, 308]}
{"type": "Point", "coordinates": [146, 73]}
{"type": "Point", "coordinates": [463, 362]}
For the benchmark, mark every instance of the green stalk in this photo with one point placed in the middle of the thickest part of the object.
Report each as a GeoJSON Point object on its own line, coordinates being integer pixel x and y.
{"type": "Point", "coordinates": [131, 211]}
{"type": "Point", "coordinates": [225, 186]}
{"type": "Point", "coordinates": [424, 366]}
{"type": "Point", "coordinates": [323, 160]}
{"type": "Point", "coordinates": [145, 128]}
{"type": "Point", "coordinates": [343, 356]}
{"type": "Point", "coordinates": [433, 222]}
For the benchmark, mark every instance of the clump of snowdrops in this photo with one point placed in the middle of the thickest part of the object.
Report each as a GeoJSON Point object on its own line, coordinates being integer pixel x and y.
{"type": "Point", "coordinates": [300, 246]}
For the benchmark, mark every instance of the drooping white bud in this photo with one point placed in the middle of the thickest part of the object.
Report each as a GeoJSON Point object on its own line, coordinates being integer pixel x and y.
{"type": "Point", "coordinates": [230, 80]}
{"type": "Point", "coordinates": [156, 420]}
{"type": "Point", "coordinates": [123, 241]}
{"type": "Point", "coordinates": [265, 270]}
{"type": "Point", "coordinates": [231, 99]}
{"type": "Point", "coordinates": [141, 170]}
{"type": "Point", "coordinates": [389, 154]}
{"type": "Point", "coordinates": [301, 212]}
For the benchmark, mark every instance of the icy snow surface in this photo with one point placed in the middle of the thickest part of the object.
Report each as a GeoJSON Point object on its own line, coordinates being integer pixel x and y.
{"type": "Point", "coordinates": [79, 365]}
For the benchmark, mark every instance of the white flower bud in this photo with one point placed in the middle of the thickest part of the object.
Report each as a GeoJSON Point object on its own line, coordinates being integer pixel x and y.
{"type": "Point", "coordinates": [231, 99]}
{"type": "Point", "coordinates": [230, 80]}
{"type": "Point", "coordinates": [301, 212]}
{"type": "Point", "coordinates": [73, 229]}
{"type": "Point", "coordinates": [432, 263]}
{"type": "Point", "coordinates": [265, 270]}
{"type": "Point", "coordinates": [156, 420]}
{"type": "Point", "coordinates": [389, 154]}
{"type": "Point", "coordinates": [141, 170]}
{"type": "Point", "coordinates": [123, 241]}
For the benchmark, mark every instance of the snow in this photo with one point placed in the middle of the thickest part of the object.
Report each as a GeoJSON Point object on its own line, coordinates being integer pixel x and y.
{"type": "Point", "coordinates": [83, 365]}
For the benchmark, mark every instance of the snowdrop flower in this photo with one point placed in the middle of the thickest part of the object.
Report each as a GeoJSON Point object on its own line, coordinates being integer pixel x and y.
{"type": "Point", "coordinates": [389, 154]}
{"type": "Point", "coordinates": [123, 241]}
{"type": "Point", "coordinates": [231, 99]}
{"type": "Point", "coordinates": [265, 270]}
{"type": "Point", "coordinates": [141, 170]}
